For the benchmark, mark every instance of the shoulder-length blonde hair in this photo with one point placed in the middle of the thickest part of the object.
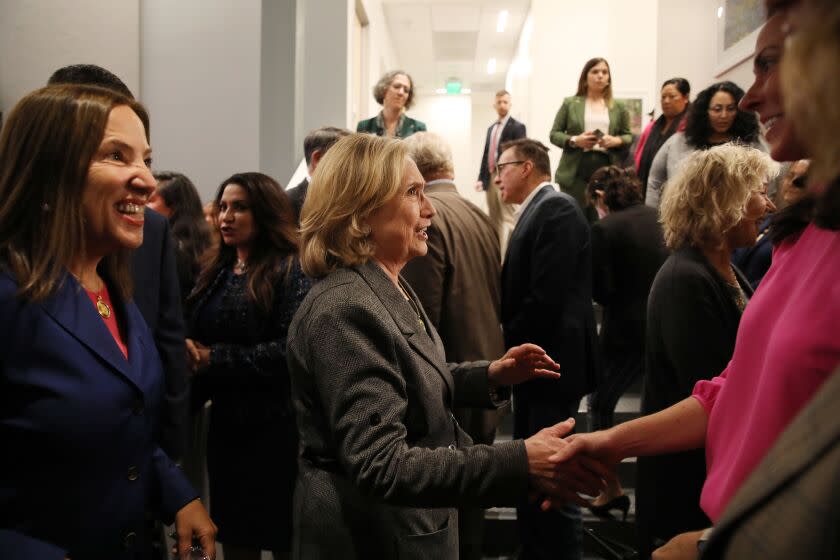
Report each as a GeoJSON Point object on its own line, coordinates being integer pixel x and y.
{"type": "Point", "coordinates": [707, 196]}
{"type": "Point", "coordinates": [46, 148]}
{"type": "Point", "coordinates": [357, 176]}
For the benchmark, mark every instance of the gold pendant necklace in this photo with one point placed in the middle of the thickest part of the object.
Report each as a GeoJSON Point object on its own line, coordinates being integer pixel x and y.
{"type": "Point", "coordinates": [102, 307]}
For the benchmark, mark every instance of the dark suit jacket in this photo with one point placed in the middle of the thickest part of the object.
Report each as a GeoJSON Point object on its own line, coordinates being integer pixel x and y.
{"type": "Point", "coordinates": [755, 261]}
{"type": "Point", "coordinates": [547, 295]}
{"type": "Point", "coordinates": [691, 328]}
{"type": "Point", "coordinates": [158, 297]}
{"type": "Point", "coordinates": [789, 505]}
{"type": "Point", "coordinates": [383, 463]}
{"type": "Point", "coordinates": [297, 195]}
{"type": "Point", "coordinates": [513, 130]}
{"type": "Point", "coordinates": [627, 250]}
{"type": "Point", "coordinates": [405, 127]}
{"type": "Point", "coordinates": [458, 282]}
{"type": "Point", "coordinates": [78, 423]}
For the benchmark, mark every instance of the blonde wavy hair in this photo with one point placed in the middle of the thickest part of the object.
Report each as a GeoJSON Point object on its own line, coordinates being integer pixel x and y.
{"type": "Point", "coordinates": [707, 196]}
{"type": "Point", "coordinates": [811, 86]}
{"type": "Point", "coordinates": [431, 153]}
{"type": "Point", "coordinates": [358, 175]}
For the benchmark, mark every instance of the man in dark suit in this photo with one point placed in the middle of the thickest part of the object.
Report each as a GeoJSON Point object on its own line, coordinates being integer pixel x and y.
{"type": "Point", "coordinates": [458, 283]}
{"type": "Point", "coordinates": [547, 300]}
{"type": "Point", "coordinates": [156, 288]}
{"type": "Point", "coordinates": [315, 145]}
{"type": "Point", "coordinates": [505, 129]}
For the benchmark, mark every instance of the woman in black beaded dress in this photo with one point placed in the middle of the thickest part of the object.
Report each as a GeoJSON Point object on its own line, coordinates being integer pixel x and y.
{"type": "Point", "coordinates": [240, 312]}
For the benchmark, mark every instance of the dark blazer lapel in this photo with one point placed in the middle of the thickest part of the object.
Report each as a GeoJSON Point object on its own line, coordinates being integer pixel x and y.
{"type": "Point", "coordinates": [429, 347]}
{"type": "Point", "coordinates": [522, 222]}
{"type": "Point", "coordinates": [71, 308]}
{"type": "Point", "coordinates": [807, 437]}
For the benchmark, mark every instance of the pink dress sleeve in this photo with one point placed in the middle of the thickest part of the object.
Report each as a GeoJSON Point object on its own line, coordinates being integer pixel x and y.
{"type": "Point", "coordinates": [706, 390]}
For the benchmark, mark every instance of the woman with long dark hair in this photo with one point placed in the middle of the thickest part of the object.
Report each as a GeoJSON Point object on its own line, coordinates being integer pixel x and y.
{"type": "Point", "coordinates": [675, 104]}
{"type": "Point", "coordinates": [714, 119]}
{"type": "Point", "coordinates": [240, 312]}
{"type": "Point", "coordinates": [592, 128]}
{"type": "Point", "coordinates": [177, 198]}
{"type": "Point", "coordinates": [82, 382]}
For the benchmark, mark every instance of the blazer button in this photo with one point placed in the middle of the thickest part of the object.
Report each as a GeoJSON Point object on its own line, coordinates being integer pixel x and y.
{"type": "Point", "coordinates": [375, 419]}
{"type": "Point", "coordinates": [137, 407]}
{"type": "Point", "coordinates": [130, 540]}
{"type": "Point", "coordinates": [133, 473]}
{"type": "Point", "coordinates": [452, 446]}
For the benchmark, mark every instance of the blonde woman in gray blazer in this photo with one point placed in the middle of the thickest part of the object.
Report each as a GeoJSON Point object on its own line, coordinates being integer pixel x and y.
{"type": "Point", "coordinates": [383, 462]}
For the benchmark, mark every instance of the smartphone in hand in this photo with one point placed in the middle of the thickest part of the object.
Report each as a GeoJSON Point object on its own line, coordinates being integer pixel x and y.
{"type": "Point", "coordinates": [598, 133]}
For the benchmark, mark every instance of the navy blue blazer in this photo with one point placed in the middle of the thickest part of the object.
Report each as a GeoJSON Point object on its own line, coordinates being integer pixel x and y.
{"type": "Point", "coordinates": [157, 293]}
{"type": "Point", "coordinates": [78, 428]}
{"type": "Point", "coordinates": [547, 295]}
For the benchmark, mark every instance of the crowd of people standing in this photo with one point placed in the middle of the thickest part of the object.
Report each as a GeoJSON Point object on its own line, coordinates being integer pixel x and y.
{"type": "Point", "coordinates": [359, 335]}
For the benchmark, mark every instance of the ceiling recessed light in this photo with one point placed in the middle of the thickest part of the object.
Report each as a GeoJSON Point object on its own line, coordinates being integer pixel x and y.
{"type": "Point", "coordinates": [501, 24]}
{"type": "Point", "coordinates": [466, 91]}
{"type": "Point", "coordinates": [491, 66]}
{"type": "Point", "coordinates": [441, 90]}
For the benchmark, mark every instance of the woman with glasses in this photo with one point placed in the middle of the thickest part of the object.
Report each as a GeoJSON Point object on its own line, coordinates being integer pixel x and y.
{"type": "Point", "coordinates": [714, 119]}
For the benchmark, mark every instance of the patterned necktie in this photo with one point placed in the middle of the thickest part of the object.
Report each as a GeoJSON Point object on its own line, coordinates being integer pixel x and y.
{"type": "Point", "coordinates": [494, 144]}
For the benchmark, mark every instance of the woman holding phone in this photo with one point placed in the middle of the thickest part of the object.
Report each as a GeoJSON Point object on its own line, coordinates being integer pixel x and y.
{"type": "Point", "coordinates": [593, 129]}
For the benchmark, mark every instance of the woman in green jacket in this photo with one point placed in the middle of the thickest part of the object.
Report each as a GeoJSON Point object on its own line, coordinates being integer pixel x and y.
{"type": "Point", "coordinates": [395, 92]}
{"type": "Point", "coordinates": [593, 130]}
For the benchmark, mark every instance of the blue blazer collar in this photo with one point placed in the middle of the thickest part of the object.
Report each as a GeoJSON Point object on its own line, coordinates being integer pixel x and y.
{"type": "Point", "coordinates": [71, 308]}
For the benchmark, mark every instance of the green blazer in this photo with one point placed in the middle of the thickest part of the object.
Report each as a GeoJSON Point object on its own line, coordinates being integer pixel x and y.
{"type": "Point", "coordinates": [569, 122]}
{"type": "Point", "coordinates": [405, 127]}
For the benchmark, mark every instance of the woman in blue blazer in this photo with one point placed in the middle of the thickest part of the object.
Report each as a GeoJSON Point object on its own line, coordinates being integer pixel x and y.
{"type": "Point", "coordinates": [81, 383]}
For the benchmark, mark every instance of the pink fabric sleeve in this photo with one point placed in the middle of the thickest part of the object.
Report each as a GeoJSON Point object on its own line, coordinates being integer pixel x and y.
{"type": "Point", "coordinates": [706, 390]}
{"type": "Point", "coordinates": [640, 146]}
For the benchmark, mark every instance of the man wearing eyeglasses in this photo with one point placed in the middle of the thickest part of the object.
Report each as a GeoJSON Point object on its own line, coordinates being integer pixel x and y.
{"type": "Point", "coordinates": [546, 299]}
{"type": "Point", "coordinates": [505, 129]}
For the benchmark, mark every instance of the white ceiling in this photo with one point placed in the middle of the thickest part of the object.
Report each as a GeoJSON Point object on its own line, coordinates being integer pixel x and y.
{"type": "Point", "coordinates": [440, 39]}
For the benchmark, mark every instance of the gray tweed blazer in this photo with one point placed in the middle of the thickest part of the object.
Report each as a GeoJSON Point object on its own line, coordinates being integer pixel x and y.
{"type": "Point", "coordinates": [383, 462]}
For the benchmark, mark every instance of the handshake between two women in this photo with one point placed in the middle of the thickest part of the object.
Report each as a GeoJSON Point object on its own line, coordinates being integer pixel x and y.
{"type": "Point", "coordinates": [558, 469]}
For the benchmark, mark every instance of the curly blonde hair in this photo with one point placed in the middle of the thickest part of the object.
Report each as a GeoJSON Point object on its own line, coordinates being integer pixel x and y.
{"type": "Point", "coordinates": [358, 175]}
{"type": "Point", "coordinates": [707, 196]}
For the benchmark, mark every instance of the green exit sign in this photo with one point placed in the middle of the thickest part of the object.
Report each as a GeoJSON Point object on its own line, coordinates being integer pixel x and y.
{"type": "Point", "coordinates": [453, 87]}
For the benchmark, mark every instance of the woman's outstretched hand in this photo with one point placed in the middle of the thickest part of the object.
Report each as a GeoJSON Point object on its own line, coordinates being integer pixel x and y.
{"type": "Point", "coordinates": [522, 363]}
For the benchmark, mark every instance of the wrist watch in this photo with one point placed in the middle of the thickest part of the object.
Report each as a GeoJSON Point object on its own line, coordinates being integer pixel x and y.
{"type": "Point", "coordinates": [572, 142]}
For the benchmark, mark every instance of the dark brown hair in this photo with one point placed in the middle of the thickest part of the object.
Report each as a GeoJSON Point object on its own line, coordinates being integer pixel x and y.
{"type": "Point", "coordinates": [275, 241]}
{"type": "Point", "coordinates": [533, 151]}
{"type": "Point", "coordinates": [46, 148]}
{"type": "Point", "coordinates": [622, 189]}
{"type": "Point", "coordinates": [583, 86]}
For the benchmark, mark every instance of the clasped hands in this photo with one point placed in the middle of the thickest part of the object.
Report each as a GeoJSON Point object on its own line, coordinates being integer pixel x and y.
{"type": "Point", "coordinates": [565, 469]}
{"type": "Point", "coordinates": [198, 356]}
{"type": "Point", "coordinates": [588, 140]}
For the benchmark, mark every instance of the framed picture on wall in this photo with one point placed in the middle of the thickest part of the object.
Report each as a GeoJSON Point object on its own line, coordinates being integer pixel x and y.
{"type": "Point", "coordinates": [637, 106]}
{"type": "Point", "coordinates": [739, 22]}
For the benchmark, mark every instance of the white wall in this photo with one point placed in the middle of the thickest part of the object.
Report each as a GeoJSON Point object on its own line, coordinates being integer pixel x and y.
{"type": "Point", "coordinates": [687, 46]}
{"type": "Point", "coordinates": [380, 54]}
{"type": "Point", "coordinates": [451, 117]}
{"type": "Point", "coordinates": [566, 34]}
{"type": "Point", "coordinates": [39, 36]}
{"type": "Point", "coordinates": [200, 79]}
